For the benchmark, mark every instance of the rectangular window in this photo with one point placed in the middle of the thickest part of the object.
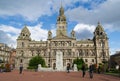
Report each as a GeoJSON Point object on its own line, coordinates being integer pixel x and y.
{"type": "Point", "coordinates": [86, 60]}
{"type": "Point", "coordinates": [92, 60]}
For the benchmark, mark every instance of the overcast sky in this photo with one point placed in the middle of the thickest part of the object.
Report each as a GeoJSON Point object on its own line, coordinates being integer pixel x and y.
{"type": "Point", "coordinates": [40, 16]}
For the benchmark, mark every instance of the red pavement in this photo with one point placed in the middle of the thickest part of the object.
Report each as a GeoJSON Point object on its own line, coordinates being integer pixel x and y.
{"type": "Point", "coordinates": [53, 76]}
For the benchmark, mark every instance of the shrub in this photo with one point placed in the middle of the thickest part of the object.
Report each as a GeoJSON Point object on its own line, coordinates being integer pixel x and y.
{"type": "Point", "coordinates": [33, 63]}
{"type": "Point", "coordinates": [79, 63]}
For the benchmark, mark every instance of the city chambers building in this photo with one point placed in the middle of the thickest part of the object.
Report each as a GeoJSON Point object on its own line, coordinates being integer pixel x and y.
{"type": "Point", "coordinates": [94, 50]}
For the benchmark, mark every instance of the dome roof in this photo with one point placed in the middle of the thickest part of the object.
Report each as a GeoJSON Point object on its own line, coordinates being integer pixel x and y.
{"type": "Point", "coordinates": [99, 27]}
{"type": "Point", "coordinates": [25, 30]}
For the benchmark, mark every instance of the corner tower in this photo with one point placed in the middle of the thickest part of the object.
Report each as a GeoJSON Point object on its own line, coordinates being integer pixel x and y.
{"type": "Point", "coordinates": [22, 47]}
{"type": "Point", "coordinates": [61, 23]}
{"type": "Point", "coordinates": [23, 38]}
{"type": "Point", "coordinates": [101, 44]}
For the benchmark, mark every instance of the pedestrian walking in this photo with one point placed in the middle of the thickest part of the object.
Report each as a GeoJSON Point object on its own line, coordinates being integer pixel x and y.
{"type": "Point", "coordinates": [99, 69]}
{"type": "Point", "coordinates": [21, 68]}
{"type": "Point", "coordinates": [68, 68]}
{"type": "Point", "coordinates": [83, 70]}
{"type": "Point", "coordinates": [91, 71]}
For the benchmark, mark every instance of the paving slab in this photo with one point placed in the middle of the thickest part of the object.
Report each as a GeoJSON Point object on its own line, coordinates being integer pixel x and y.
{"type": "Point", "coordinates": [53, 76]}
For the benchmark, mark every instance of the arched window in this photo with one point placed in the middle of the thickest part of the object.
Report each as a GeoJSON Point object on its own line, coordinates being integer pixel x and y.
{"type": "Point", "coordinates": [21, 61]}
{"type": "Point", "coordinates": [101, 33]}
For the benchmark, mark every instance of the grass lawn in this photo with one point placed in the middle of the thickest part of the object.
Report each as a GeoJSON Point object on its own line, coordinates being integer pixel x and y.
{"type": "Point", "coordinates": [114, 74]}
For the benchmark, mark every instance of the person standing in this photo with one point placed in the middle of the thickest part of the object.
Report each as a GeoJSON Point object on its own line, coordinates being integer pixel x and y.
{"type": "Point", "coordinates": [83, 70]}
{"type": "Point", "coordinates": [91, 71]}
{"type": "Point", "coordinates": [21, 68]}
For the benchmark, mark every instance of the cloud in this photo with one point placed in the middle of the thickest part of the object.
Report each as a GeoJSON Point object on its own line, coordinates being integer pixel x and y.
{"type": "Point", "coordinates": [84, 31]}
{"type": "Point", "coordinates": [101, 10]}
{"type": "Point", "coordinates": [30, 10]}
{"type": "Point", "coordinates": [107, 13]}
{"type": "Point", "coordinates": [9, 34]}
{"type": "Point", "coordinates": [38, 33]}
{"type": "Point", "coordinates": [33, 9]}
{"type": "Point", "coordinates": [5, 38]}
{"type": "Point", "coordinates": [9, 29]}
{"type": "Point", "coordinates": [114, 50]}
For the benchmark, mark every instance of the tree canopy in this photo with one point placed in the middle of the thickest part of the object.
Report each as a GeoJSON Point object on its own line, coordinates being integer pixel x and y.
{"type": "Point", "coordinates": [33, 63]}
{"type": "Point", "coordinates": [79, 62]}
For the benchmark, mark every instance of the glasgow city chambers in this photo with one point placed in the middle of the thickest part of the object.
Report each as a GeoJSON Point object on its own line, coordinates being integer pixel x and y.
{"type": "Point", "coordinates": [95, 50]}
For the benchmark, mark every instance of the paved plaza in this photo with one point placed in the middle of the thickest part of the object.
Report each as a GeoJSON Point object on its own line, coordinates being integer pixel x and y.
{"type": "Point", "coordinates": [53, 76]}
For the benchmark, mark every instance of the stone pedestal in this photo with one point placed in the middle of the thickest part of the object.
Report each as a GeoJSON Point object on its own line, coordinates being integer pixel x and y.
{"type": "Point", "coordinates": [43, 69]}
{"type": "Point", "coordinates": [39, 67]}
{"type": "Point", "coordinates": [59, 61]}
{"type": "Point", "coordinates": [75, 67]}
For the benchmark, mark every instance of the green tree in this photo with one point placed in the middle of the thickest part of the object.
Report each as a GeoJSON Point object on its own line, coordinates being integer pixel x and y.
{"type": "Point", "coordinates": [33, 63]}
{"type": "Point", "coordinates": [79, 62]}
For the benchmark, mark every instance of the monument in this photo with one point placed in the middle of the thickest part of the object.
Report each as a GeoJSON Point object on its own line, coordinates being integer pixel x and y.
{"type": "Point", "coordinates": [59, 61]}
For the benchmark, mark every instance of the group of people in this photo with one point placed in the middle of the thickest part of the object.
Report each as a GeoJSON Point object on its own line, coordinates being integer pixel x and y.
{"type": "Point", "coordinates": [68, 68]}
{"type": "Point", "coordinates": [90, 70]}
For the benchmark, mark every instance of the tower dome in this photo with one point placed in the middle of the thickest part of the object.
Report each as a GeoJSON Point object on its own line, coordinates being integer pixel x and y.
{"type": "Point", "coordinates": [99, 28]}
{"type": "Point", "coordinates": [25, 30]}
{"type": "Point", "coordinates": [25, 33]}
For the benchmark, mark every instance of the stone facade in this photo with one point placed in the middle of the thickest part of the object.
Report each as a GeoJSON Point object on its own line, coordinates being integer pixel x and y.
{"type": "Point", "coordinates": [115, 59]}
{"type": "Point", "coordinates": [5, 52]}
{"type": "Point", "coordinates": [94, 50]}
